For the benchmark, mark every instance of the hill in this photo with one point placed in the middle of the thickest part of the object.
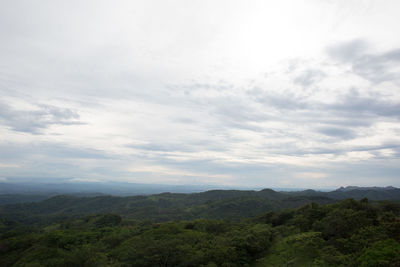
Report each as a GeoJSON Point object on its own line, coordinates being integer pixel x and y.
{"type": "Point", "coordinates": [347, 233]}
{"type": "Point", "coordinates": [217, 204]}
{"type": "Point", "coordinates": [214, 204]}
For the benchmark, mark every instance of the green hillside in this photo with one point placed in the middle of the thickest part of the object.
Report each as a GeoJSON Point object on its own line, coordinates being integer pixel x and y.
{"type": "Point", "coordinates": [347, 233]}
{"type": "Point", "coordinates": [217, 204]}
{"type": "Point", "coordinates": [213, 228]}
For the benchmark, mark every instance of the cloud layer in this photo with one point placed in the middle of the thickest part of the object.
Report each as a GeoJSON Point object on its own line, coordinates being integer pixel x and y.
{"type": "Point", "coordinates": [221, 94]}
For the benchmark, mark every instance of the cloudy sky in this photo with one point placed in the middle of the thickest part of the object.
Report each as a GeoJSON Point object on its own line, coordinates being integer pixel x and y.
{"type": "Point", "coordinates": [240, 93]}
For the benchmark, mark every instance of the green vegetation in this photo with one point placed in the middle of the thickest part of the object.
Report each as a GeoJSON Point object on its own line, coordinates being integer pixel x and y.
{"type": "Point", "coordinates": [217, 204]}
{"type": "Point", "coordinates": [346, 233]}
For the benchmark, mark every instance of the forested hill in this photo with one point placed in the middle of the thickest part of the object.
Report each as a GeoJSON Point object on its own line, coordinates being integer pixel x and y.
{"type": "Point", "coordinates": [372, 193]}
{"type": "Point", "coordinates": [215, 204]}
{"type": "Point", "coordinates": [347, 233]}
{"type": "Point", "coordinates": [11, 193]}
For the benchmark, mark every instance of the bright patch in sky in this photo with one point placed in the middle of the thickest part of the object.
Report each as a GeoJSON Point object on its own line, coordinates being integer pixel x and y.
{"type": "Point", "coordinates": [243, 93]}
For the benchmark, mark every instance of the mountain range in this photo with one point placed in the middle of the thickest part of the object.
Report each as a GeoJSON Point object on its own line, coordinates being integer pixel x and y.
{"type": "Point", "coordinates": [212, 204]}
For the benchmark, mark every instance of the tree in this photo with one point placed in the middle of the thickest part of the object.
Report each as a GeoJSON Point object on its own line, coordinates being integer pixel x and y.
{"type": "Point", "coordinates": [384, 253]}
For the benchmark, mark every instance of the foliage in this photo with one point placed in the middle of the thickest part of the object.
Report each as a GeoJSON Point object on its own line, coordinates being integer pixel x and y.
{"type": "Point", "coordinates": [346, 233]}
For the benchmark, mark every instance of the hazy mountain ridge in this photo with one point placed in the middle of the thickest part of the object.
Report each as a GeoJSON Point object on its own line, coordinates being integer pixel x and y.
{"type": "Point", "coordinates": [350, 188]}
{"type": "Point", "coordinates": [110, 188]}
{"type": "Point", "coordinates": [213, 204]}
{"type": "Point", "coordinates": [372, 193]}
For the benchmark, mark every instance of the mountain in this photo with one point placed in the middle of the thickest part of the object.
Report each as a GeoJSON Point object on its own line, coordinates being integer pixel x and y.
{"type": "Point", "coordinates": [109, 188]}
{"type": "Point", "coordinates": [213, 204]}
{"type": "Point", "coordinates": [346, 233]}
{"type": "Point", "coordinates": [375, 188]}
{"type": "Point", "coordinates": [372, 193]}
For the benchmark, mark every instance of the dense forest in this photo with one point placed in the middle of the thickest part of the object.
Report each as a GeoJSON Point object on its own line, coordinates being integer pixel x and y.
{"type": "Point", "coordinates": [214, 228]}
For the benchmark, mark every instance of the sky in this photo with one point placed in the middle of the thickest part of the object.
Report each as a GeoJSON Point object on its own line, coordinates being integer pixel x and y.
{"type": "Point", "coordinates": [236, 93]}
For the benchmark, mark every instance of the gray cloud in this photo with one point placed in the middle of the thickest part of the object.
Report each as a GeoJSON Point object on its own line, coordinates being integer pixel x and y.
{"type": "Point", "coordinates": [342, 133]}
{"type": "Point", "coordinates": [344, 119]}
{"type": "Point", "coordinates": [163, 147]}
{"type": "Point", "coordinates": [348, 51]}
{"type": "Point", "coordinates": [192, 146]}
{"type": "Point", "coordinates": [375, 67]}
{"type": "Point", "coordinates": [34, 121]}
{"type": "Point", "coordinates": [350, 109]}
{"type": "Point", "coordinates": [309, 77]}
{"type": "Point", "coordinates": [281, 101]}
{"type": "Point", "coordinates": [354, 105]}
{"type": "Point", "coordinates": [236, 113]}
{"type": "Point", "coordinates": [48, 149]}
{"type": "Point", "coordinates": [378, 68]}
{"type": "Point", "coordinates": [374, 149]}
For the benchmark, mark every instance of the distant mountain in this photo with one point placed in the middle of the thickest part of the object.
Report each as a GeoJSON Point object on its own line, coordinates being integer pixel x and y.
{"type": "Point", "coordinates": [372, 193]}
{"type": "Point", "coordinates": [36, 191]}
{"type": "Point", "coordinates": [109, 188]}
{"type": "Point", "coordinates": [374, 188]}
{"type": "Point", "coordinates": [214, 204]}
{"type": "Point", "coordinates": [21, 198]}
